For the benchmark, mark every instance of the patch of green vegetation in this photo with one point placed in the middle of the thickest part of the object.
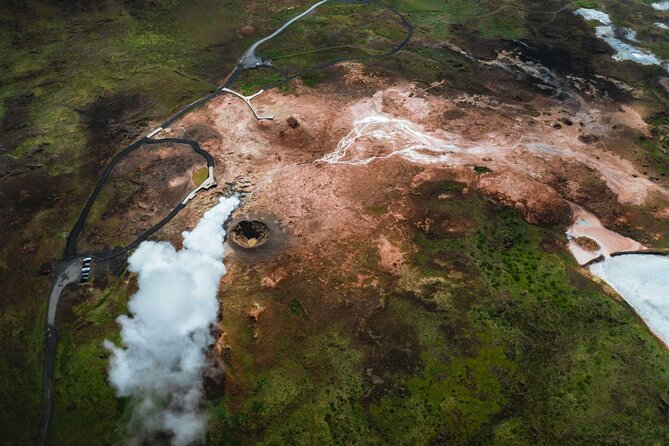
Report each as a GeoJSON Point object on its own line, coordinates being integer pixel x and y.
{"type": "Point", "coordinates": [490, 19]}
{"type": "Point", "coordinates": [659, 120]}
{"type": "Point", "coordinates": [433, 64]}
{"type": "Point", "coordinates": [657, 145]}
{"type": "Point", "coordinates": [252, 81]}
{"type": "Point", "coordinates": [482, 169]}
{"type": "Point", "coordinates": [377, 210]}
{"type": "Point", "coordinates": [84, 401]}
{"type": "Point", "coordinates": [297, 309]}
{"type": "Point", "coordinates": [453, 396]}
{"type": "Point", "coordinates": [659, 49]}
{"type": "Point", "coordinates": [313, 78]}
{"type": "Point", "coordinates": [336, 31]}
{"type": "Point", "coordinates": [452, 186]}
{"type": "Point", "coordinates": [311, 397]}
{"type": "Point", "coordinates": [528, 351]}
{"type": "Point", "coordinates": [85, 405]}
{"type": "Point", "coordinates": [200, 175]}
{"type": "Point", "coordinates": [656, 154]}
{"type": "Point", "coordinates": [17, 385]}
{"type": "Point", "coordinates": [587, 4]}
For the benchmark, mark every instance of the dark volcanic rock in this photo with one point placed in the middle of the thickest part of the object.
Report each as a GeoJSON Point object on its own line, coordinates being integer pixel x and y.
{"type": "Point", "coordinates": [16, 122]}
{"type": "Point", "coordinates": [588, 138]}
{"type": "Point", "coordinates": [109, 119]}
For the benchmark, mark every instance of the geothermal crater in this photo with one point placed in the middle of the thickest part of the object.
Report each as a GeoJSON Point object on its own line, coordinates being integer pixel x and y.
{"type": "Point", "coordinates": [250, 234]}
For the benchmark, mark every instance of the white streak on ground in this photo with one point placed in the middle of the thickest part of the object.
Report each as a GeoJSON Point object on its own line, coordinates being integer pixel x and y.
{"type": "Point", "coordinates": [419, 147]}
{"type": "Point", "coordinates": [624, 51]}
{"type": "Point", "coordinates": [381, 136]}
{"type": "Point", "coordinates": [593, 14]}
{"type": "Point", "coordinates": [661, 6]}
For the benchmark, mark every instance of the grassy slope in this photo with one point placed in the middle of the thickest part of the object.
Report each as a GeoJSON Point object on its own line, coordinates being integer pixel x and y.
{"type": "Point", "coordinates": [492, 338]}
{"type": "Point", "coordinates": [85, 406]}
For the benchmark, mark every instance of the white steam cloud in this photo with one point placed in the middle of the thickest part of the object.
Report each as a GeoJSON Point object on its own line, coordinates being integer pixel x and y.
{"type": "Point", "coordinates": [165, 339]}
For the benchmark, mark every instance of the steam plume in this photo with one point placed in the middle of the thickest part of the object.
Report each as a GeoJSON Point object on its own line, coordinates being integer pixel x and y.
{"type": "Point", "coordinates": [165, 337]}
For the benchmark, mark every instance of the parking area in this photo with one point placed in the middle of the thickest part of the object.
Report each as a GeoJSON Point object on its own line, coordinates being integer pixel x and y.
{"type": "Point", "coordinates": [85, 269]}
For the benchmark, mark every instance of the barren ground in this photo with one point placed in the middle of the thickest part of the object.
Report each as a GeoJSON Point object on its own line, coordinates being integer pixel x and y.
{"type": "Point", "coordinates": [328, 156]}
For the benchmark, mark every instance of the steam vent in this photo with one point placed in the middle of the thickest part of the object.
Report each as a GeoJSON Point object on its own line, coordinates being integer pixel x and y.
{"type": "Point", "coordinates": [256, 238]}
{"type": "Point", "coordinates": [250, 234]}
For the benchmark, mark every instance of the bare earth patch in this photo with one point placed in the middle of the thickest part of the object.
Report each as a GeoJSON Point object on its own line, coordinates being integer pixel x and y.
{"type": "Point", "coordinates": [303, 166]}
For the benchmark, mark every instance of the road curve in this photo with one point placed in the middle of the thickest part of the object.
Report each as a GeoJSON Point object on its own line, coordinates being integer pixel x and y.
{"type": "Point", "coordinates": [249, 60]}
{"type": "Point", "coordinates": [77, 229]}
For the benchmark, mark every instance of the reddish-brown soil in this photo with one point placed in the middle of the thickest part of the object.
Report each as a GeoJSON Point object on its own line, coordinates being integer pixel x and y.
{"type": "Point", "coordinates": [528, 163]}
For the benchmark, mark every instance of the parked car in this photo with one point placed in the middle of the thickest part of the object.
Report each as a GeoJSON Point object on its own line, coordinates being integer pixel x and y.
{"type": "Point", "coordinates": [84, 279]}
{"type": "Point", "coordinates": [87, 259]}
{"type": "Point", "coordinates": [85, 269]}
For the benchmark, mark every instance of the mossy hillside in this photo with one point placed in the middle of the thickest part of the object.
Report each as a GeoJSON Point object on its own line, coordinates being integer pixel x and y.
{"type": "Point", "coordinates": [99, 65]}
{"type": "Point", "coordinates": [455, 394]}
{"type": "Point", "coordinates": [571, 345]}
{"type": "Point", "coordinates": [526, 351]}
{"type": "Point", "coordinates": [22, 338]}
{"type": "Point", "coordinates": [657, 144]}
{"type": "Point", "coordinates": [323, 386]}
{"type": "Point", "coordinates": [169, 53]}
{"type": "Point", "coordinates": [333, 32]}
{"type": "Point", "coordinates": [488, 19]}
{"type": "Point", "coordinates": [85, 408]}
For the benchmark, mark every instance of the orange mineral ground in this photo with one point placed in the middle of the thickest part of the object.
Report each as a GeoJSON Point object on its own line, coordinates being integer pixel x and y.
{"type": "Point", "coordinates": [318, 163]}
